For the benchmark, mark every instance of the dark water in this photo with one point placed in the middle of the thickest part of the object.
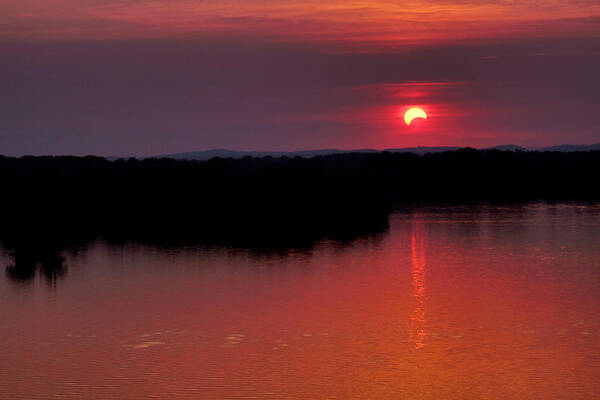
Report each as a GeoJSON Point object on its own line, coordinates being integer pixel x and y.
{"type": "Point", "coordinates": [450, 303]}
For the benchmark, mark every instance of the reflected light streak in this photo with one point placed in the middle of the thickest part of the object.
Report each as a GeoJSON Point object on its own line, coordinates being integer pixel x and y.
{"type": "Point", "coordinates": [418, 318]}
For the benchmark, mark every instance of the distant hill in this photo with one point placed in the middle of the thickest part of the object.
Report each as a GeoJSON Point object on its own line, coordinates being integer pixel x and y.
{"type": "Point", "coordinates": [508, 147]}
{"type": "Point", "coordinates": [224, 153]}
{"type": "Point", "coordinates": [572, 147]}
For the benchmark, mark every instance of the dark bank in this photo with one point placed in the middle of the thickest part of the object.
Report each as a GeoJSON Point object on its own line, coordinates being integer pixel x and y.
{"type": "Point", "coordinates": [55, 203]}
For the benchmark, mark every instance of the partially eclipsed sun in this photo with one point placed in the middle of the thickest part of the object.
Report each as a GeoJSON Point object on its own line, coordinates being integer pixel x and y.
{"type": "Point", "coordinates": [413, 113]}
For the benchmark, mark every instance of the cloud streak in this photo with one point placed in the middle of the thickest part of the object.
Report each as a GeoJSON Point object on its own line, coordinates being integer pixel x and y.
{"type": "Point", "coordinates": [386, 23]}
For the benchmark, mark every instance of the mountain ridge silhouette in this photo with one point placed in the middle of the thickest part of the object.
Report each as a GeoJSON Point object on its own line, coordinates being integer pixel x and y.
{"type": "Point", "coordinates": [204, 155]}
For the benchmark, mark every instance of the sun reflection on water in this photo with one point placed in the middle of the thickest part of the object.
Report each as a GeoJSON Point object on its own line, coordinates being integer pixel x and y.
{"type": "Point", "coordinates": [418, 318]}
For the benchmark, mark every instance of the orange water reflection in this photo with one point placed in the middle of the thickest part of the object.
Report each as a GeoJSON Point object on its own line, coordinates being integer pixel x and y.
{"type": "Point", "coordinates": [495, 303]}
{"type": "Point", "coordinates": [418, 277]}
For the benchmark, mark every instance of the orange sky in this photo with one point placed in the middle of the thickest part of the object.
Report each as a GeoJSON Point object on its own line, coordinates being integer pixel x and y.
{"type": "Point", "coordinates": [140, 77]}
{"type": "Point", "coordinates": [382, 22]}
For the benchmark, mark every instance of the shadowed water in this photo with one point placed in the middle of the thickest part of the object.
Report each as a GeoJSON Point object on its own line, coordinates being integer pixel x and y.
{"type": "Point", "coordinates": [449, 303]}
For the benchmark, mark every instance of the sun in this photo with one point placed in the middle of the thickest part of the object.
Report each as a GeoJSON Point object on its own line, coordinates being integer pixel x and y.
{"type": "Point", "coordinates": [413, 113]}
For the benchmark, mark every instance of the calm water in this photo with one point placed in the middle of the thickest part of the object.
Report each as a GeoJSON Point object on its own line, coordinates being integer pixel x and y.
{"type": "Point", "coordinates": [450, 303]}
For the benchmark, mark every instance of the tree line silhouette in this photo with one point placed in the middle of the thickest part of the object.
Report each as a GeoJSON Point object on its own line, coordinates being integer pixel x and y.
{"type": "Point", "coordinates": [52, 203]}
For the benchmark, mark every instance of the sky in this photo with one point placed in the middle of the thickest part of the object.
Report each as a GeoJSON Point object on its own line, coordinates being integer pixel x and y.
{"type": "Point", "coordinates": [143, 77]}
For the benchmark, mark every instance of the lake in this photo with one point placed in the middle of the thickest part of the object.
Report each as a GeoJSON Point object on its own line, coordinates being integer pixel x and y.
{"type": "Point", "coordinates": [470, 302]}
